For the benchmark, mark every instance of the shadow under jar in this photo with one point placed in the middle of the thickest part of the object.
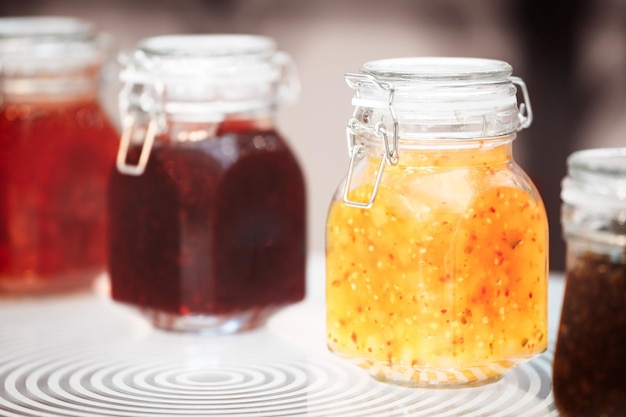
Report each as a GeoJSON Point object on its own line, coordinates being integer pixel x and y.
{"type": "Point", "coordinates": [57, 148]}
{"type": "Point", "coordinates": [207, 204]}
{"type": "Point", "coordinates": [437, 241]}
{"type": "Point", "coordinates": [589, 365]}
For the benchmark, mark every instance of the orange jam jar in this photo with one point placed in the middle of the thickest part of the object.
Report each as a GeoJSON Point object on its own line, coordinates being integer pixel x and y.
{"type": "Point", "coordinates": [437, 241]}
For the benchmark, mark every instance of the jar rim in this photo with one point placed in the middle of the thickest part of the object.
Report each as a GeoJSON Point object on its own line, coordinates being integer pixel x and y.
{"type": "Point", "coordinates": [53, 27]}
{"type": "Point", "coordinates": [596, 178]}
{"type": "Point", "coordinates": [439, 69]}
{"type": "Point", "coordinates": [208, 46]}
{"type": "Point", "coordinates": [51, 55]}
{"type": "Point", "coordinates": [204, 59]}
{"type": "Point", "coordinates": [602, 161]}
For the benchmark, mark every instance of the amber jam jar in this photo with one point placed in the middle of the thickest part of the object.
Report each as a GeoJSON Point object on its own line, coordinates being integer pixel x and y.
{"type": "Point", "coordinates": [589, 366]}
{"type": "Point", "coordinates": [57, 147]}
{"type": "Point", "coordinates": [208, 221]}
{"type": "Point", "coordinates": [437, 241]}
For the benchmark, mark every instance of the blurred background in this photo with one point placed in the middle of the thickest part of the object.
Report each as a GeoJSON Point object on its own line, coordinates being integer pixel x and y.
{"type": "Point", "coordinates": [571, 54]}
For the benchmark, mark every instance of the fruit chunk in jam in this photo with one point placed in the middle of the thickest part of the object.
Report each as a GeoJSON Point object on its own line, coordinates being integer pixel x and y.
{"type": "Point", "coordinates": [444, 280]}
{"type": "Point", "coordinates": [213, 228]}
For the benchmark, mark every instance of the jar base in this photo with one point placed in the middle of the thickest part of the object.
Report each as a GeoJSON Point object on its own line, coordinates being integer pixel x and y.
{"type": "Point", "coordinates": [210, 324]}
{"type": "Point", "coordinates": [416, 377]}
{"type": "Point", "coordinates": [428, 383]}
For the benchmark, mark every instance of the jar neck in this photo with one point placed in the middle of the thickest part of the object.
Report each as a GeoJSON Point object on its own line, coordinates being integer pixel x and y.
{"type": "Point", "coordinates": [420, 125]}
{"type": "Point", "coordinates": [447, 153]}
{"type": "Point", "coordinates": [185, 131]}
{"type": "Point", "coordinates": [57, 87]}
{"type": "Point", "coordinates": [147, 133]}
{"type": "Point", "coordinates": [594, 197]}
{"type": "Point", "coordinates": [602, 229]}
{"type": "Point", "coordinates": [50, 59]}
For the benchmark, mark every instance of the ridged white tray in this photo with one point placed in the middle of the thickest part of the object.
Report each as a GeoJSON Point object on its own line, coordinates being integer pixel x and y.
{"type": "Point", "coordinates": [88, 356]}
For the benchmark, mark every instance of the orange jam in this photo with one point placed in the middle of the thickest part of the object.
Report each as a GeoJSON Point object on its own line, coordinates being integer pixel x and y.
{"type": "Point", "coordinates": [443, 281]}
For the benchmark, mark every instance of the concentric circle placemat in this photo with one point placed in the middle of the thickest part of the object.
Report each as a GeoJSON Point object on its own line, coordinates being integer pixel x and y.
{"type": "Point", "coordinates": [86, 356]}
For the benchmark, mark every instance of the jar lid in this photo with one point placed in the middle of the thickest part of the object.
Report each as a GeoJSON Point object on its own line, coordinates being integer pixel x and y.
{"type": "Point", "coordinates": [596, 178]}
{"type": "Point", "coordinates": [209, 59]}
{"type": "Point", "coordinates": [443, 97]}
{"type": "Point", "coordinates": [453, 70]}
{"type": "Point", "coordinates": [200, 75]}
{"type": "Point", "coordinates": [32, 45]}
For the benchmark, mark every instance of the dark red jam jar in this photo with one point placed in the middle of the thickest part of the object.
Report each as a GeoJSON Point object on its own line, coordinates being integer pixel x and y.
{"type": "Point", "coordinates": [57, 148]}
{"type": "Point", "coordinates": [208, 202]}
{"type": "Point", "coordinates": [589, 364]}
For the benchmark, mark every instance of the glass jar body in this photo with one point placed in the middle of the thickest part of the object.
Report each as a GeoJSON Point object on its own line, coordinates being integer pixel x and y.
{"type": "Point", "coordinates": [443, 281]}
{"type": "Point", "coordinates": [208, 202]}
{"type": "Point", "coordinates": [57, 146]}
{"type": "Point", "coordinates": [212, 236]}
{"type": "Point", "coordinates": [588, 361]}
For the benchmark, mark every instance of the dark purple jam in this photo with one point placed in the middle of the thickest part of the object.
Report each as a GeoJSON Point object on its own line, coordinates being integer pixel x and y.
{"type": "Point", "coordinates": [589, 363]}
{"type": "Point", "coordinates": [211, 227]}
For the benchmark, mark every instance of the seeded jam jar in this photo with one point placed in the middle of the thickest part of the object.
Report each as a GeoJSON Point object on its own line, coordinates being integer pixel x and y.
{"type": "Point", "coordinates": [589, 366]}
{"type": "Point", "coordinates": [57, 147]}
{"type": "Point", "coordinates": [437, 241]}
{"type": "Point", "coordinates": [207, 204]}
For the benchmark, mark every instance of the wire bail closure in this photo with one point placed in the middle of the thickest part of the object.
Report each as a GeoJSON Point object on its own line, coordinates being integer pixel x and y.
{"type": "Point", "coordinates": [149, 105]}
{"type": "Point", "coordinates": [123, 166]}
{"type": "Point", "coordinates": [357, 151]}
{"type": "Point", "coordinates": [525, 110]}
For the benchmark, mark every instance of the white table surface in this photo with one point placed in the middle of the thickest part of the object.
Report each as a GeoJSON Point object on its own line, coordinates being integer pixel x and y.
{"type": "Point", "coordinates": [84, 355]}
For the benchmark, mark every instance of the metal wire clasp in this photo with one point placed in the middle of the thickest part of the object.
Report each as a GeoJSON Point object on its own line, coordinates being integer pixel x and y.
{"type": "Point", "coordinates": [525, 110]}
{"type": "Point", "coordinates": [150, 105]}
{"type": "Point", "coordinates": [358, 151]}
{"type": "Point", "coordinates": [123, 166]}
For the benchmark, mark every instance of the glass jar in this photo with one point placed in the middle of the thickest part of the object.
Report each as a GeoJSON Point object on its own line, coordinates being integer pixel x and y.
{"type": "Point", "coordinates": [437, 241]}
{"type": "Point", "coordinates": [208, 207]}
{"type": "Point", "coordinates": [57, 147]}
{"type": "Point", "coordinates": [589, 358]}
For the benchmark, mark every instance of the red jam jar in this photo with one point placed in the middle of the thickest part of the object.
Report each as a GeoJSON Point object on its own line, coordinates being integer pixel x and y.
{"type": "Point", "coordinates": [208, 202]}
{"type": "Point", "coordinates": [57, 147]}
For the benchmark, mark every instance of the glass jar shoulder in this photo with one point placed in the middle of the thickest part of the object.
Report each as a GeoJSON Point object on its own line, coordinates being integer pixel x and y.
{"type": "Point", "coordinates": [71, 114]}
{"type": "Point", "coordinates": [426, 197]}
{"type": "Point", "coordinates": [74, 136]}
{"type": "Point", "coordinates": [216, 155]}
{"type": "Point", "coordinates": [245, 146]}
{"type": "Point", "coordinates": [192, 159]}
{"type": "Point", "coordinates": [441, 178]}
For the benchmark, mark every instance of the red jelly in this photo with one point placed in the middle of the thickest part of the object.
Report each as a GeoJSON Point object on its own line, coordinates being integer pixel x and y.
{"type": "Point", "coordinates": [57, 147]}
{"type": "Point", "coordinates": [211, 234]}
